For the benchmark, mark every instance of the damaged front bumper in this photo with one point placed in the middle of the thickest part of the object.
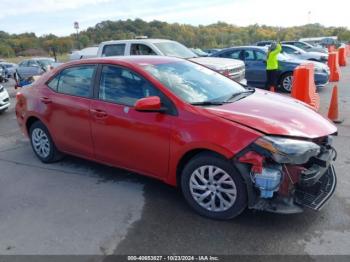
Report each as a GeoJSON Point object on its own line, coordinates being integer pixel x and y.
{"type": "Point", "coordinates": [298, 186]}
{"type": "Point", "coordinates": [318, 194]}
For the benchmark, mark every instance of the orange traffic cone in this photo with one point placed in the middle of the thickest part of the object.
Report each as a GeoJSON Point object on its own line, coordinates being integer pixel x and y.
{"type": "Point", "coordinates": [333, 112]}
{"type": "Point", "coordinates": [272, 89]}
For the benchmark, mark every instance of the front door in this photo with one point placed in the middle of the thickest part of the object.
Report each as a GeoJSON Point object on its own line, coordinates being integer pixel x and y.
{"type": "Point", "coordinates": [122, 136]}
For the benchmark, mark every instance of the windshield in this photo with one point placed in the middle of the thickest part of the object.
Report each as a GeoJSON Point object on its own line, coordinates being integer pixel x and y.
{"type": "Point", "coordinates": [45, 62]}
{"type": "Point", "coordinates": [194, 83]}
{"type": "Point", "coordinates": [175, 49]}
{"type": "Point", "coordinates": [299, 50]}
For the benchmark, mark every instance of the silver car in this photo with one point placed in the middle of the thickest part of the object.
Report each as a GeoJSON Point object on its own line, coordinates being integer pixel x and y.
{"type": "Point", "coordinates": [306, 46]}
{"type": "Point", "coordinates": [4, 99]}
{"type": "Point", "coordinates": [299, 53]}
{"type": "Point", "coordinates": [34, 66]}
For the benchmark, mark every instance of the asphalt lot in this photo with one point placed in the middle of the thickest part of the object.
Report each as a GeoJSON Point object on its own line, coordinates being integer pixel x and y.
{"type": "Point", "coordinates": [79, 207]}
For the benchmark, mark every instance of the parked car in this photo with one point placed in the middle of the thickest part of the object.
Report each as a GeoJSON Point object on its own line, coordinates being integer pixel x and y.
{"type": "Point", "coordinates": [264, 43]}
{"type": "Point", "coordinates": [212, 50]}
{"type": "Point", "coordinates": [255, 62]}
{"type": "Point", "coordinates": [299, 53]}
{"type": "Point", "coordinates": [88, 52]}
{"type": "Point", "coordinates": [9, 68]}
{"type": "Point", "coordinates": [225, 146]}
{"type": "Point", "coordinates": [306, 46]}
{"type": "Point", "coordinates": [233, 69]}
{"type": "Point", "coordinates": [34, 66]}
{"type": "Point", "coordinates": [2, 74]}
{"type": "Point", "coordinates": [4, 99]}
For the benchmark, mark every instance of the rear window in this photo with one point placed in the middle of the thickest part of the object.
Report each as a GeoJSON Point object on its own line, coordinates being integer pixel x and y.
{"type": "Point", "coordinates": [113, 50]}
{"type": "Point", "coordinates": [75, 81]}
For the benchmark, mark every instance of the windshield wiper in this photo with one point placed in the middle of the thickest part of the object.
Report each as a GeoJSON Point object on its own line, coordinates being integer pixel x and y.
{"type": "Point", "coordinates": [207, 103]}
{"type": "Point", "coordinates": [242, 93]}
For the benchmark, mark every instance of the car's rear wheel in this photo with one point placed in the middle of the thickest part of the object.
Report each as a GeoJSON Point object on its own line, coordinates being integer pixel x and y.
{"type": "Point", "coordinates": [212, 187]}
{"type": "Point", "coordinates": [42, 143]}
{"type": "Point", "coordinates": [286, 82]}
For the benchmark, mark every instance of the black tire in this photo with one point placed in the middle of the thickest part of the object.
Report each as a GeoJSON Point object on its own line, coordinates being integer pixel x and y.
{"type": "Point", "coordinates": [204, 159]}
{"type": "Point", "coordinates": [53, 155]}
{"type": "Point", "coordinates": [284, 78]}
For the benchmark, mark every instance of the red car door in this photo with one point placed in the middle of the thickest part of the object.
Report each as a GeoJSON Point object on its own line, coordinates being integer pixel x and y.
{"type": "Point", "coordinates": [122, 136]}
{"type": "Point", "coordinates": [68, 114]}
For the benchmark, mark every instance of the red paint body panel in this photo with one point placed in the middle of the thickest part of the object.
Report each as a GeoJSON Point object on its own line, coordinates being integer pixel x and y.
{"type": "Point", "coordinates": [153, 143]}
{"type": "Point", "coordinates": [276, 114]}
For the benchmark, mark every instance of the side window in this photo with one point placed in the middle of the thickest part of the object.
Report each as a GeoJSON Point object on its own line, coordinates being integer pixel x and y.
{"type": "Point", "coordinates": [231, 54]}
{"type": "Point", "coordinates": [300, 45]}
{"type": "Point", "coordinates": [140, 49]}
{"type": "Point", "coordinates": [24, 63]}
{"type": "Point", "coordinates": [113, 50]}
{"type": "Point", "coordinates": [76, 81]}
{"type": "Point", "coordinates": [249, 55]}
{"type": "Point", "coordinates": [123, 86]}
{"type": "Point", "coordinates": [260, 56]}
{"type": "Point", "coordinates": [53, 83]}
{"type": "Point", "coordinates": [32, 63]}
{"type": "Point", "coordinates": [288, 50]}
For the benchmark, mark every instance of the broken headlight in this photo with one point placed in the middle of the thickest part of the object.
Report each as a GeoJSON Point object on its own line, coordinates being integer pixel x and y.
{"type": "Point", "coordinates": [286, 150]}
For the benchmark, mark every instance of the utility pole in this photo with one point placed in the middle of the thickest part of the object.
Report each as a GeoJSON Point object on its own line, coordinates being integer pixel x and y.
{"type": "Point", "coordinates": [76, 27]}
{"type": "Point", "coordinates": [309, 17]}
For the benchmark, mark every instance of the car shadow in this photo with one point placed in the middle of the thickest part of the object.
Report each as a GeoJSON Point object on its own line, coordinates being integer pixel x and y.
{"type": "Point", "coordinates": [167, 220]}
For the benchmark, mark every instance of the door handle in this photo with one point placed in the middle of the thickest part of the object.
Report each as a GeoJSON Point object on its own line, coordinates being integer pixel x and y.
{"type": "Point", "coordinates": [99, 113]}
{"type": "Point", "coordinates": [45, 100]}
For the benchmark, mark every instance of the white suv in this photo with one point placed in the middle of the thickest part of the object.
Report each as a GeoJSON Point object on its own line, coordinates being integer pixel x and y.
{"type": "Point", "coordinates": [4, 99]}
{"type": "Point", "coordinates": [234, 69]}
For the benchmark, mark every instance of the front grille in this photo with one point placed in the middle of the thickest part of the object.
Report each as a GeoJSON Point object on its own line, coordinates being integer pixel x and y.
{"type": "Point", "coordinates": [237, 70]}
{"type": "Point", "coordinates": [6, 100]}
{"type": "Point", "coordinates": [316, 196]}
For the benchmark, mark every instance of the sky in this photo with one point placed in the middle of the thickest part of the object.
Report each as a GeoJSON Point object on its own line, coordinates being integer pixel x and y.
{"type": "Point", "coordinates": [57, 16]}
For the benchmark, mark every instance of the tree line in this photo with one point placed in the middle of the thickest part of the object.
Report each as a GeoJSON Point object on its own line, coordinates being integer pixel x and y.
{"type": "Point", "coordinates": [216, 35]}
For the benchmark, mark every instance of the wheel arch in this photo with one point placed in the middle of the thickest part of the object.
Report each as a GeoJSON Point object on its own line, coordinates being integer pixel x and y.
{"type": "Point", "coordinates": [30, 121]}
{"type": "Point", "coordinates": [190, 155]}
{"type": "Point", "coordinates": [283, 74]}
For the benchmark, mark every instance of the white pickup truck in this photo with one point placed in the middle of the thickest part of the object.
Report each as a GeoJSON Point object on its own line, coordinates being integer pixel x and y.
{"type": "Point", "coordinates": [234, 69]}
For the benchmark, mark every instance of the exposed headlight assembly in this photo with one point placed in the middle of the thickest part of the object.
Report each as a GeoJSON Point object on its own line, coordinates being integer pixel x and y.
{"type": "Point", "coordinates": [287, 151]}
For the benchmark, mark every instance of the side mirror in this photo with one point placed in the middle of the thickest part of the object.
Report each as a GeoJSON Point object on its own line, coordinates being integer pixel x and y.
{"type": "Point", "coordinates": [149, 104]}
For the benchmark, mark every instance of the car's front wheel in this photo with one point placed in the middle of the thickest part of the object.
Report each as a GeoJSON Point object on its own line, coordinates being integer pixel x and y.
{"type": "Point", "coordinates": [42, 143]}
{"type": "Point", "coordinates": [286, 82]}
{"type": "Point", "coordinates": [212, 186]}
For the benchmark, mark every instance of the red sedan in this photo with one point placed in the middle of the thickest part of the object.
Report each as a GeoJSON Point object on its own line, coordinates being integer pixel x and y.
{"type": "Point", "coordinates": [227, 147]}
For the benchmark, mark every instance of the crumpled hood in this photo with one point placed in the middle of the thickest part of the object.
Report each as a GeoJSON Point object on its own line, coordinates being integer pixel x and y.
{"type": "Point", "coordinates": [217, 63]}
{"type": "Point", "coordinates": [275, 114]}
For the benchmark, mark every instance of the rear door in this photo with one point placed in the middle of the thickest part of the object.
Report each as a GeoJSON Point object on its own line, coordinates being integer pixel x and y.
{"type": "Point", "coordinates": [68, 109]}
{"type": "Point", "coordinates": [255, 68]}
{"type": "Point", "coordinates": [122, 136]}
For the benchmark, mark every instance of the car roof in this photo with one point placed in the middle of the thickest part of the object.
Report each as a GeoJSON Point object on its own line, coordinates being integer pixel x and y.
{"type": "Point", "coordinates": [262, 48]}
{"type": "Point", "coordinates": [131, 60]}
{"type": "Point", "coordinates": [147, 40]}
